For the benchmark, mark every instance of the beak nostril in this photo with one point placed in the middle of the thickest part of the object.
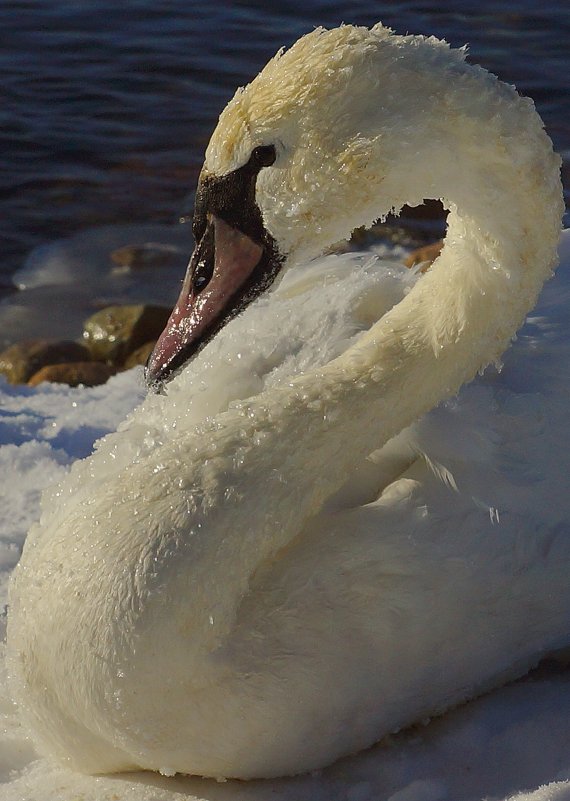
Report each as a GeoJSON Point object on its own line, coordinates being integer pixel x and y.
{"type": "Point", "coordinates": [204, 268]}
{"type": "Point", "coordinates": [199, 282]}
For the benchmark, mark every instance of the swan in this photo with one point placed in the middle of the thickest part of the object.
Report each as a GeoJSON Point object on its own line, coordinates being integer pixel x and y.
{"type": "Point", "coordinates": [259, 588]}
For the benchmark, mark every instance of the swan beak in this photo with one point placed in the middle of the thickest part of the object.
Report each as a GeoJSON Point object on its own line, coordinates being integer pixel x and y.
{"type": "Point", "coordinates": [226, 271]}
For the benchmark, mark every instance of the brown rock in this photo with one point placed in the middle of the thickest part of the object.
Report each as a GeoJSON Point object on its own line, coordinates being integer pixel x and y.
{"type": "Point", "coordinates": [390, 232]}
{"type": "Point", "coordinates": [115, 332]}
{"type": "Point", "coordinates": [426, 255]}
{"type": "Point", "coordinates": [140, 355]}
{"type": "Point", "coordinates": [19, 362]}
{"type": "Point", "coordinates": [90, 374]}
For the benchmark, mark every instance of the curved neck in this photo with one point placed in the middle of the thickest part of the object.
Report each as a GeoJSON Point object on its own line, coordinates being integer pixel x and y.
{"type": "Point", "coordinates": [296, 446]}
{"type": "Point", "coordinates": [500, 180]}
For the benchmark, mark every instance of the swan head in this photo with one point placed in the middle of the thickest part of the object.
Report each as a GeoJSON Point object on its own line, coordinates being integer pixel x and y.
{"type": "Point", "coordinates": [343, 128]}
{"type": "Point", "coordinates": [286, 174]}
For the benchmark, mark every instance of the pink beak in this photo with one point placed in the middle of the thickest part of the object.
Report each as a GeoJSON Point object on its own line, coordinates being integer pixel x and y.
{"type": "Point", "coordinates": [221, 265]}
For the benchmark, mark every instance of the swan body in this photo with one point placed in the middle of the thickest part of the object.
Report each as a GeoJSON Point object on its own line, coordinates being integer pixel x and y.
{"type": "Point", "coordinates": [261, 572]}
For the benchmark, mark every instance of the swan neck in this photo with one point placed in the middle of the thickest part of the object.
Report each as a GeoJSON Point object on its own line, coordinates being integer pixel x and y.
{"type": "Point", "coordinates": [500, 180]}
{"type": "Point", "coordinates": [494, 169]}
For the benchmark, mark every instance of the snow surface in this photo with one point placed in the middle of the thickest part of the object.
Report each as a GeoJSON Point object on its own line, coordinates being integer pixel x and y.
{"type": "Point", "coordinates": [512, 743]}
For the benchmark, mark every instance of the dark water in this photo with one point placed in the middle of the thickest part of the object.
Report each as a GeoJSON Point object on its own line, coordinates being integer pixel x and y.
{"type": "Point", "coordinates": [107, 106]}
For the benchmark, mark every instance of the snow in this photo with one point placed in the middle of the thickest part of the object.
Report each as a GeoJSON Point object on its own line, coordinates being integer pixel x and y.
{"type": "Point", "coordinates": [513, 743]}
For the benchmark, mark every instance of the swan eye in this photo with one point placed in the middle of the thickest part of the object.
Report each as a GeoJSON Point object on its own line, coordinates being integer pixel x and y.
{"type": "Point", "coordinates": [263, 156]}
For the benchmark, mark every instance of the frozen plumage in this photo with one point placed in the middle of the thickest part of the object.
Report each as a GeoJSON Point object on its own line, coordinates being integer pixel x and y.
{"type": "Point", "coordinates": [257, 588]}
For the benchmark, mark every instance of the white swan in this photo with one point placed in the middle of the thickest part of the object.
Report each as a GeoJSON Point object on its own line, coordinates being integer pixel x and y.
{"type": "Point", "coordinates": [252, 596]}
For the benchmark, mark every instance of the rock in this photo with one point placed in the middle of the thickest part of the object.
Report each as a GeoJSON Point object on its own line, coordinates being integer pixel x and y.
{"type": "Point", "coordinates": [394, 234]}
{"type": "Point", "coordinates": [426, 255]}
{"type": "Point", "coordinates": [90, 374]}
{"type": "Point", "coordinates": [115, 332]}
{"type": "Point", "coordinates": [140, 355]}
{"type": "Point", "coordinates": [151, 254]}
{"type": "Point", "coordinates": [19, 362]}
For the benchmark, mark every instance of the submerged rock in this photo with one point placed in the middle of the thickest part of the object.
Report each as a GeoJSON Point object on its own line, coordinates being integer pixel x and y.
{"type": "Point", "coordinates": [21, 361]}
{"type": "Point", "coordinates": [140, 355]}
{"type": "Point", "coordinates": [113, 333]}
{"type": "Point", "coordinates": [426, 255]}
{"type": "Point", "coordinates": [89, 374]}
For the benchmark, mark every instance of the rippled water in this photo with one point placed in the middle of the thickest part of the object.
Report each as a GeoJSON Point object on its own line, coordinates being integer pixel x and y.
{"type": "Point", "coordinates": [107, 107]}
